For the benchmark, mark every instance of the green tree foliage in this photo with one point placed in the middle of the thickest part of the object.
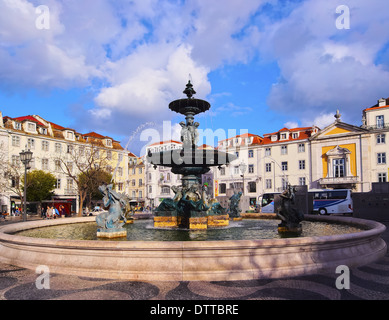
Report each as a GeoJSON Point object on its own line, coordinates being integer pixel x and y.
{"type": "Point", "coordinates": [40, 185]}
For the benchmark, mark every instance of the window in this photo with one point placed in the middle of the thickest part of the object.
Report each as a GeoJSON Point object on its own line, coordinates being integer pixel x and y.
{"type": "Point", "coordinates": [284, 165]}
{"type": "Point", "coordinates": [339, 168]}
{"type": "Point", "coordinates": [70, 167]}
{"type": "Point", "coordinates": [70, 148]}
{"type": "Point", "coordinates": [301, 147]}
{"type": "Point", "coordinates": [382, 177]}
{"type": "Point", "coordinates": [140, 182]}
{"type": "Point", "coordinates": [251, 168]}
{"type": "Point", "coordinates": [120, 186]}
{"type": "Point", "coordinates": [58, 184]}
{"type": "Point", "coordinates": [165, 190]}
{"type": "Point", "coordinates": [295, 135]}
{"type": "Point", "coordinates": [109, 155]}
{"type": "Point", "coordinates": [140, 194]}
{"type": "Point", "coordinates": [120, 171]}
{"type": "Point", "coordinates": [302, 181]}
{"type": "Point", "coordinates": [301, 164]}
{"type": "Point", "coordinates": [381, 158]}
{"type": "Point", "coordinates": [108, 143]}
{"type": "Point", "coordinates": [380, 138]}
{"type": "Point", "coordinates": [237, 154]}
{"type": "Point", "coordinates": [120, 157]}
{"type": "Point", "coordinates": [284, 183]}
{"type": "Point", "coordinates": [150, 189]}
{"type": "Point", "coordinates": [16, 161]}
{"type": "Point", "coordinates": [31, 143]}
{"type": "Point", "coordinates": [251, 154]}
{"type": "Point", "coordinates": [45, 146]}
{"type": "Point", "coordinates": [133, 182]}
{"type": "Point", "coordinates": [140, 170]}
{"type": "Point", "coordinates": [69, 135]}
{"type": "Point", "coordinates": [267, 152]}
{"type": "Point", "coordinates": [69, 183]}
{"type": "Point", "coordinates": [236, 170]}
{"type": "Point", "coordinates": [252, 186]}
{"type": "Point", "coordinates": [45, 164]}
{"type": "Point", "coordinates": [283, 136]}
{"type": "Point", "coordinates": [18, 126]}
{"type": "Point", "coordinates": [268, 184]}
{"type": "Point", "coordinates": [133, 194]}
{"type": "Point", "coordinates": [222, 188]}
{"type": "Point", "coordinates": [268, 167]}
{"type": "Point", "coordinates": [284, 149]}
{"type": "Point", "coordinates": [57, 164]}
{"type": "Point", "coordinates": [380, 122]}
{"type": "Point", "coordinates": [15, 141]}
{"type": "Point", "coordinates": [58, 148]}
{"type": "Point", "coordinates": [15, 182]}
{"type": "Point", "coordinates": [223, 171]}
{"type": "Point", "coordinates": [31, 127]}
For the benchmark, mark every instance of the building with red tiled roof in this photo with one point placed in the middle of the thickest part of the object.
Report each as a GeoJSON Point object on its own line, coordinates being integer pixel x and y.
{"type": "Point", "coordinates": [59, 150]}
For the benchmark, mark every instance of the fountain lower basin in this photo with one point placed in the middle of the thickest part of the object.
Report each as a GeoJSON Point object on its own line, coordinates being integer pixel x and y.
{"type": "Point", "coordinates": [194, 260]}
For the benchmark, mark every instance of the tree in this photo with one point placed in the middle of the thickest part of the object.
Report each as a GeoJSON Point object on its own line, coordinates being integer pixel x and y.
{"type": "Point", "coordinates": [40, 185]}
{"type": "Point", "coordinates": [82, 164]}
{"type": "Point", "coordinates": [91, 181]}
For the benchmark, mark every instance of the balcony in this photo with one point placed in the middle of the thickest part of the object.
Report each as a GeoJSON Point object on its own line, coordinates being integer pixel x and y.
{"type": "Point", "coordinates": [70, 192]}
{"type": "Point", "coordinates": [339, 180]}
{"type": "Point", "coordinates": [377, 127]}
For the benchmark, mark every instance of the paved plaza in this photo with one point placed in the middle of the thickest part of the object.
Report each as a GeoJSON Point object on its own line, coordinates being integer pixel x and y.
{"type": "Point", "coordinates": [370, 282]}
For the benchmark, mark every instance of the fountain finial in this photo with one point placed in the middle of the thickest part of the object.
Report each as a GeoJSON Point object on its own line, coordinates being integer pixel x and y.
{"type": "Point", "coordinates": [189, 91]}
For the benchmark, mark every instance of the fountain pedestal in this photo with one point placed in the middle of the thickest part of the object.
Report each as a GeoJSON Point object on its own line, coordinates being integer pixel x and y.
{"type": "Point", "coordinates": [111, 233]}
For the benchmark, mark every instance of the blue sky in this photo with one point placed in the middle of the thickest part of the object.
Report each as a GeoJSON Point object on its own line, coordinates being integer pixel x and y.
{"type": "Point", "coordinates": [112, 66]}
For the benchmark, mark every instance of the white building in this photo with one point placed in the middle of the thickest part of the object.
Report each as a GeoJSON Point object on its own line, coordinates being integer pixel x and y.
{"type": "Point", "coordinates": [159, 179]}
{"type": "Point", "coordinates": [54, 146]}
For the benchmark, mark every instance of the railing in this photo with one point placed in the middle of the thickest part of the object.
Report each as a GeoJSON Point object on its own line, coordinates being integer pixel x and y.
{"type": "Point", "coordinates": [377, 127]}
{"type": "Point", "coordinates": [70, 192]}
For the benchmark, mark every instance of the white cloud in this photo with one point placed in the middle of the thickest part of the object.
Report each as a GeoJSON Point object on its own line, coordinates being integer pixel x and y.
{"type": "Point", "coordinates": [323, 120]}
{"type": "Point", "coordinates": [291, 125]}
{"type": "Point", "coordinates": [323, 68]}
{"type": "Point", "coordinates": [144, 85]}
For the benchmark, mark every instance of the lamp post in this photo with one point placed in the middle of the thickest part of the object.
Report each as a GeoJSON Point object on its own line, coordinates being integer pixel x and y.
{"type": "Point", "coordinates": [242, 168]}
{"type": "Point", "coordinates": [25, 158]}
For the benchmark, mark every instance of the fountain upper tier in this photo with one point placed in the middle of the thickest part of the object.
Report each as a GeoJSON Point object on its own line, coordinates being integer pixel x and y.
{"type": "Point", "coordinates": [189, 105]}
{"type": "Point", "coordinates": [192, 157]}
{"type": "Point", "coordinates": [197, 161]}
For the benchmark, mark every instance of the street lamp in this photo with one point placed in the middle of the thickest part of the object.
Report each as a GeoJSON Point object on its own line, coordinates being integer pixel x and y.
{"type": "Point", "coordinates": [243, 168]}
{"type": "Point", "coordinates": [25, 158]}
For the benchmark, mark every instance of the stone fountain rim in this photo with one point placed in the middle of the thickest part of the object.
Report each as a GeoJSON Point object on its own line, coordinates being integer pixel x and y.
{"type": "Point", "coordinates": [223, 260]}
{"type": "Point", "coordinates": [370, 229]}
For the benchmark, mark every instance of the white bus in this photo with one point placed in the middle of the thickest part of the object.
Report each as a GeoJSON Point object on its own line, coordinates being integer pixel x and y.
{"type": "Point", "coordinates": [327, 201]}
{"type": "Point", "coordinates": [267, 203]}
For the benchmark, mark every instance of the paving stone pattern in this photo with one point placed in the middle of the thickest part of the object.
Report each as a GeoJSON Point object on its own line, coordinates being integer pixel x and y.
{"type": "Point", "coordinates": [369, 282]}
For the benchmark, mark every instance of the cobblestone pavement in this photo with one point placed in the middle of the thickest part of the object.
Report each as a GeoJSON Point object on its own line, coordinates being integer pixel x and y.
{"type": "Point", "coordinates": [370, 282]}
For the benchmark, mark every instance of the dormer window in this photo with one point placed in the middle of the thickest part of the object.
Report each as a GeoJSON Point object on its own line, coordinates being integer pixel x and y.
{"type": "Point", "coordinates": [31, 126]}
{"type": "Point", "coordinates": [70, 135]}
{"type": "Point", "coordinates": [295, 135]}
{"type": "Point", "coordinates": [108, 142]}
{"type": "Point", "coordinates": [43, 131]}
{"type": "Point", "coordinates": [17, 125]}
{"type": "Point", "coordinates": [283, 136]}
{"type": "Point", "coordinates": [274, 138]}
